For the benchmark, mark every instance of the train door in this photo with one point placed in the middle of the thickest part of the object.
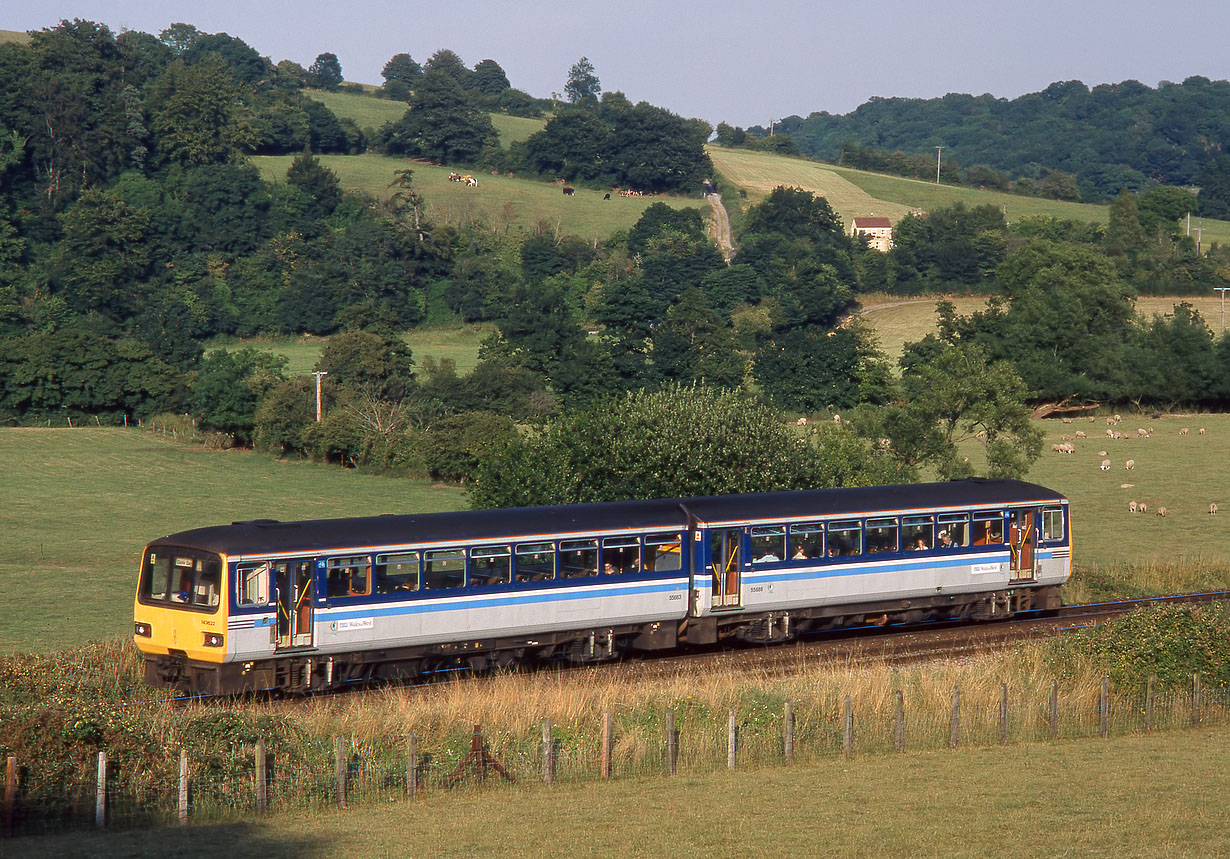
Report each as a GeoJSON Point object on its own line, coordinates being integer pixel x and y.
{"type": "Point", "coordinates": [726, 559]}
{"type": "Point", "coordinates": [1022, 538]}
{"type": "Point", "coordinates": [293, 581]}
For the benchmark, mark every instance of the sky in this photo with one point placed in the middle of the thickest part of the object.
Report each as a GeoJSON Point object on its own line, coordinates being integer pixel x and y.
{"type": "Point", "coordinates": [744, 63]}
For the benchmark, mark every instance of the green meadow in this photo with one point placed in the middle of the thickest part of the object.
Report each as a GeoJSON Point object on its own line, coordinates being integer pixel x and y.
{"type": "Point", "coordinates": [501, 203]}
{"type": "Point", "coordinates": [81, 503]}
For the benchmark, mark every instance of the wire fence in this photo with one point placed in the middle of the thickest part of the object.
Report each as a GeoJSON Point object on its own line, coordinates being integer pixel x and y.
{"type": "Point", "coordinates": [247, 779]}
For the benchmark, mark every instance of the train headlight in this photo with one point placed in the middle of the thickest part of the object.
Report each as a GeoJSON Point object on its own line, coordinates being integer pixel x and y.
{"type": "Point", "coordinates": [143, 629]}
{"type": "Point", "coordinates": [213, 639]}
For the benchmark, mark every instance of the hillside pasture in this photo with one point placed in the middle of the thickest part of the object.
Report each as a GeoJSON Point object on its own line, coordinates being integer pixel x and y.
{"type": "Point", "coordinates": [81, 503]}
{"type": "Point", "coordinates": [368, 111]}
{"type": "Point", "coordinates": [458, 344]}
{"type": "Point", "coordinates": [857, 192]}
{"type": "Point", "coordinates": [501, 203]}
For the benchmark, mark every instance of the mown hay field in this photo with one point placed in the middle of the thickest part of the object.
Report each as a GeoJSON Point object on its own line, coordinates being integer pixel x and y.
{"type": "Point", "coordinates": [81, 503]}
{"type": "Point", "coordinates": [500, 203]}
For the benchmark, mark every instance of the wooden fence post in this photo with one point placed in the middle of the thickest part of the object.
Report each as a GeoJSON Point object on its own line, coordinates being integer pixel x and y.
{"type": "Point", "coordinates": [954, 726]}
{"type": "Point", "coordinates": [183, 786]}
{"type": "Point", "coordinates": [412, 771]}
{"type": "Point", "coordinates": [847, 729]}
{"type": "Point", "coordinates": [788, 733]}
{"type": "Point", "coordinates": [262, 778]}
{"type": "Point", "coordinates": [340, 770]}
{"type": "Point", "coordinates": [1149, 693]}
{"type": "Point", "coordinates": [1196, 699]}
{"type": "Point", "coordinates": [899, 721]}
{"type": "Point", "coordinates": [1103, 708]}
{"type": "Point", "coordinates": [10, 794]}
{"type": "Point", "coordinates": [606, 745]}
{"type": "Point", "coordinates": [672, 743]}
{"type": "Point", "coordinates": [548, 753]}
{"type": "Point", "coordinates": [1003, 714]}
{"type": "Point", "coordinates": [732, 741]}
{"type": "Point", "coordinates": [100, 797]}
{"type": "Point", "coordinates": [1054, 709]}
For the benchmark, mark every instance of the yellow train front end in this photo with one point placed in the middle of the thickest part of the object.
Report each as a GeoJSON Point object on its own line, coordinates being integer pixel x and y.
{"type": "Point", "coordinates": [180, 618]}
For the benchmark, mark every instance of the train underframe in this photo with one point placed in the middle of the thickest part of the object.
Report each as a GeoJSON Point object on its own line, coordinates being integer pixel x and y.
{"type": "Point", "coordinates": [308, 670]}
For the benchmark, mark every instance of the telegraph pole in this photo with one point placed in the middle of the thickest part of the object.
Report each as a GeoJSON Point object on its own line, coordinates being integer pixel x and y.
{"type": "Point", "coordinates": [938, 151]}
{"type": "Point", "coordinates": [1222, 290]}
{"type": "Point", "coordinates": [318, 374]}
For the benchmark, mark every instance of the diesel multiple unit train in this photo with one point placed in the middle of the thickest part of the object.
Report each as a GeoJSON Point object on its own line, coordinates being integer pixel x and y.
{"type": "Point", "coordinates": [312, 606]}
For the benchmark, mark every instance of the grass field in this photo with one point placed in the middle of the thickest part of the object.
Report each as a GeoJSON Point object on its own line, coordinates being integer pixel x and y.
{"type": "Point", "coordinates": [80, 504]}
{"type": "Point", "coordinates": [460, 344]}
{"type": "Point", "coordinates": [502, 203]}
{"type": "Point", "coordinates": [897, 321]}
{"type": "Point", "coordinates": [856, 192]}
{"type": "Point", "coordinates": [1139, 796]}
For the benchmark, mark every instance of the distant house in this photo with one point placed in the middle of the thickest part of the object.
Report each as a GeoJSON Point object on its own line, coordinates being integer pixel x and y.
{"type": "Point", "coordinates": [879, 231]}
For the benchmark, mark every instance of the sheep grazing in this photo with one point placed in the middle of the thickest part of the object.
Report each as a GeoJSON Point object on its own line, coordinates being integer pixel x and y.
{"type": "Point", "coordinates": [1213, 509]}
{"type": "Point", "coordinates": [1130, 464]}
{"type": "Point", "coordinates": [1161, 511]}
{"type": "Point", "coordinates": [1126, 485]}
{"type": "Point", "coordinates": [1184, 431]}
{"type": "Point", "coordinates": [1066, 420]}
{"type": "Point", "coordinates": [801, 422]}
{"type": "Point", "coordinates": [1143, 433]}
{"type": "Point", "coordinates": [1110, 433]}
{"type": "Point", "coordinates": [1102, 453]}
{"type": "Point", "coordinates": [1105, 465]}
{"type": "Point", "coordinates": [1200, 431]}
{"type": "Point", "coordinates": [1131, 506]}
{"type": "Point", "coordinates": [1080, 434]}
{"type": "Point", "coordinates": [1065, 437]}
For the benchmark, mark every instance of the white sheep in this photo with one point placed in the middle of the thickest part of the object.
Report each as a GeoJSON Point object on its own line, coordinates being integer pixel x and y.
{"type": "Point", "coordinates": [1131, 506]}
{"type": "Point", "coordinates": [1130, 464]}
{"type": "Point", "coordinates": [1184, 431]}
{"type": "Point", "coordinates": [1213, 508]}
{"type": "Point", "coordinates": [1105, 465]}
{"type": "Point", "coordinates": [1161, 511]}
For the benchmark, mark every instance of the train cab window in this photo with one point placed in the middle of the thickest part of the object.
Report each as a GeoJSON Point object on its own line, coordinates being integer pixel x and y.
{"type": "Point", "coordinates": [1052, 524]}
{"type": "Point", "coordinates": [988, 527]}
{"type": "Point", "coordinates": [398, 572]}
{"type": "Point", "coordinates": [578, 558]}
{"type": "Point", "coordinates": [953, 531]}
{"type": "Point", "coordinates": [768, 544]}
{"type": "Point", "coordinates": [882, 535]}
{"type": "Point", "coordinates": [806, 541]}
{"type": "Point", "coordinates": [348, 577]}
{"type": "Point", "coordinates": [917, 533]}
{"type": "Point", "coordinates": [621, 555]}
{"type": "Point", "coordinates": [845, 538]}
{"type": "Point", "coordinates": [663, 552]}
{"type": "Point", "coordinates": [490, 565]}
{"type": "Point", "coordinates": [444, 568]}
{"type": "Point", "coordinates": [182, 580]}
{"type": "Point", "coordinates": [252, 584]}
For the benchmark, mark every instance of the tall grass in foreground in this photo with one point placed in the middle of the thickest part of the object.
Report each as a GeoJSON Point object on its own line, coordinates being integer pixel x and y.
{"type": "Point", "coordinates": [1127, 581]}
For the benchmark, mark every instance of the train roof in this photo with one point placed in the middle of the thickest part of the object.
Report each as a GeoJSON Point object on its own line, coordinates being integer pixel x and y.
{"type": "Point", "coordinates": [260, 537]}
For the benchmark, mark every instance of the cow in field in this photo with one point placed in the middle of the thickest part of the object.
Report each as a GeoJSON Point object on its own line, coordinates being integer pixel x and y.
{"type": "Point", "coordinates": [569, 190]}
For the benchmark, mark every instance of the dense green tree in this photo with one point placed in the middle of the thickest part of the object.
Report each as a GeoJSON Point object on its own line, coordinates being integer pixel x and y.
{"type": "Point", "coordinates": [1213, 200]}
{"type": "Point", "coordinates": [403, 69]}
{"type": "Point", "coordinates": [454, 446]}
{"type": "Point", "coordinates": [582, 84]}
{"type": "Point", "coordinates": [489, 78]}
{"type": "Point", "coordinates": [1124, 235]}
{"type": "Point", "coordinates": [659, 218]}
{"type": "Point", "coordinates": [246, 65]}
{"type": "Point", "coordinates": [442, 124]}
{"type": "Point", "coordinates": [180, 37]}
{"type": "Point", "coordinates": [693, 344]}
{"type": "Point", "coordinates": [447, 62]}
{"type": "Point", "coordinates": [363, 360]}
{"type": "Point", "coordinates": [677, 441]}
{"type": "Point", "coordinates": [228, 386]}
{"type": "Point", "coordinates": [810, 368]}
{"type": "Point", "coordinates": [197, 115]}
{"type": "Point", "coordinates": [225, 207]}
{"type": "Point", "coordinates": [325, 72]}
{"type": "Point", "coordinates": [283, 415]}
{"type": "Point", "coordinates": [318, 185]}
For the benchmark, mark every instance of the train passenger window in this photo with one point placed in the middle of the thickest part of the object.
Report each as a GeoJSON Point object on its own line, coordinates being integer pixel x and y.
{"type": "Point", "coordinates": [806, 541]}
{"type": "Point", "coordinates": [881, 535]}
{"type": "Point", "coordinates": [444, 568]}
{"type": "Point", "coordinates": [535, 562]}
{"type": "Point", "coordinates": [348, 577]}
{"type": "Point", "coordinates": [988, 527]}
{"type": "Point", "coordinates": [621, 555]}
{"type": "Point", "coordinates": [845, 538]}
{"type": "Point", "coordinates": [490, 565]}
{"type": "Point", "coordinates": [398, 572]}
{"type": "Point", "coordinates": [1052, 524]}
{"type": "Point", "coordinates": [253, 584]}
{"type": "Point", "coordinates": [768, 544]}
{"type": "Point", "coordinates": [578, 558]}
{"type": "Point", "coordinates": [953, 531]}
{"type": "Point", "coordinates": [662, 552]}
{"type": "Point", "coordinates": [917, 533]}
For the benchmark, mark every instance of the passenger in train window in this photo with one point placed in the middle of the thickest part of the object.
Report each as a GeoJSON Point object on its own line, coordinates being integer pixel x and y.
{"type": "Point", "coordinates": [945, 540]}
{"type": "Point", "coordinates": [767, 558]}
{"type": "Point", "coordinates": [920, 544]}
{"type": "Point", "coordinates": [800, 554]}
